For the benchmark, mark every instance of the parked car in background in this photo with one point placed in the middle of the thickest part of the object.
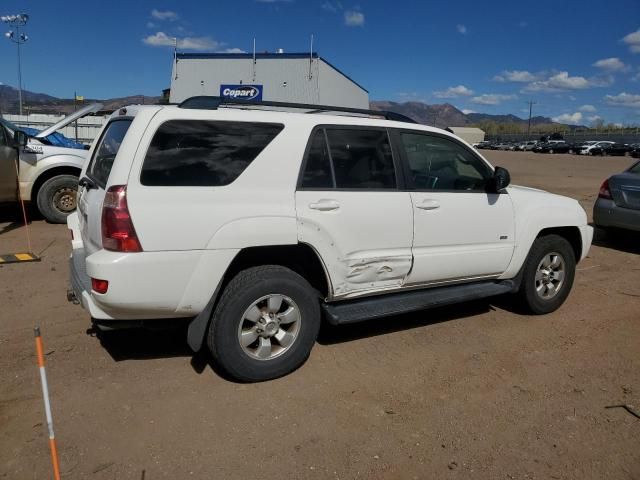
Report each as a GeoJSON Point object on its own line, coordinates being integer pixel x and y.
{"type": "Point", "coordinates": [48, 166]}
{"type": "Point", "coordinates": [635, 150]}
{"type": "Point", "coordinates": [528, 145]}
{"type": "Point", "coordinates": [611, 149]}
{"type": "Point", "coordinates": [503, 146]}
{"type": "Point", "coordinates": [553, 146]}
{"type": "Point", "coordinates": [588, 149]}
{"type": "Point", "coordinates": [482, 145]}
{"type": "Point", "coordinates": [577, 146]}
{"type": "Point", "coordinates": [618, 203]}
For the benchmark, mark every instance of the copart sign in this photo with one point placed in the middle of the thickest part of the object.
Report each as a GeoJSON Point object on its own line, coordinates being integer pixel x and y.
{"type": "Point", "coordinates": [250, 93]}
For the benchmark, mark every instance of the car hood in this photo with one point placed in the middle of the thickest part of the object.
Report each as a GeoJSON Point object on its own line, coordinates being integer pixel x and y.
{"type": "Point", "coordinates": [94, 107]}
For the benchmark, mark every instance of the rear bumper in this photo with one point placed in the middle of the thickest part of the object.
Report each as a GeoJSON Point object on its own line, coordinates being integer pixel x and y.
{"type": "Point", "coordinates": [607, 214]}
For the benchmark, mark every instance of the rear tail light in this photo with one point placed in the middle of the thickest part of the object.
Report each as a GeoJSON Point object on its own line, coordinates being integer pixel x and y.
{"type": "Point", "coordinates": [118, 234]}
{"type": "Point", "coordinates": [99, 286]}
{"type": "Point", "coordinates": [604, 190]}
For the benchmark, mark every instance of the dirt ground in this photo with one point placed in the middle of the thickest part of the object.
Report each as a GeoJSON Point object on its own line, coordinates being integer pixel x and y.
{"type": "Point", "coordinates": [471, 391]}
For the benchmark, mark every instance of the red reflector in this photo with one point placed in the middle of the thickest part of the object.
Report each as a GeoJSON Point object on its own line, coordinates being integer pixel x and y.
{"type": "Point", "coordinates": [99, 286]}
{"type": "Point", "coordinates": [118, 233]}
{"type": "Point", "coordinates": [604, 190]}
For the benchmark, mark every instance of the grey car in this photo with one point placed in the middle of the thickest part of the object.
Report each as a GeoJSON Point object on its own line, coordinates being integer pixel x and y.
{"type": "Point", "coordinates": [618, 204]}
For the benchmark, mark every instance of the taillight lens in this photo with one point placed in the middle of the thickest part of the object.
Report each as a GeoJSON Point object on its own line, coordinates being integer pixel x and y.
{"type": "Point", "coordinates": [118, 234]}
{"type": "Point", "coordinates": [99, 286]}
{"type": "Point", "coordinates": [604, 190]}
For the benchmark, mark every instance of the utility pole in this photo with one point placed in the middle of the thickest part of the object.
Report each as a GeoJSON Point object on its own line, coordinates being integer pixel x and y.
{"type": "Point", "coordinates": [531, 104]}
{"type": "Point", "coordinates": [18, 38]}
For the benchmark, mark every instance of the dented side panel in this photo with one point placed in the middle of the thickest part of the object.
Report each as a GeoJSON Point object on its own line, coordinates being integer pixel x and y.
{"type": "Point", "coordinates": [364, 242]}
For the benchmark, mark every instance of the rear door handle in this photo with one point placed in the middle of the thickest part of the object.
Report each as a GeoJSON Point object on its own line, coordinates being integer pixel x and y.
{"type": "Point", "coordinates": [324, 205]}
{"type": "Point", "coordinates": [428, 205]}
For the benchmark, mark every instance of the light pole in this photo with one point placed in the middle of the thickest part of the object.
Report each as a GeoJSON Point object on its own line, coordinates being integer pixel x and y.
{"type": "Point", "coordinates": [18, 38]}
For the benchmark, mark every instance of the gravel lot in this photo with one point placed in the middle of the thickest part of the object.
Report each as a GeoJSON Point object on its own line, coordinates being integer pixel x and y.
{"type": "Point", "coordinates": [471, 391]}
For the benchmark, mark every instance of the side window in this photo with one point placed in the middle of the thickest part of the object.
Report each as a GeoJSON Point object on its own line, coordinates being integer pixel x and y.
{"type": "Point", "coordinates": [318, 169]}
{"type": "Point", "coordinates": [106, 151]}
{"type": "Point", "coordinates": [436, 163]}
{"type": "Point", "coordinates": [204, 153]}
{"type": "Point", "coordinates": [361, 158]}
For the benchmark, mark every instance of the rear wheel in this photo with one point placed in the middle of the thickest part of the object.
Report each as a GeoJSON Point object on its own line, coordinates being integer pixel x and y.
{"type": "Point", "coordinates": [57, 198]}
{"type": "Point", "coordinates": [548, 274]}
{"type": "Point", "coordinates": [265, 324]}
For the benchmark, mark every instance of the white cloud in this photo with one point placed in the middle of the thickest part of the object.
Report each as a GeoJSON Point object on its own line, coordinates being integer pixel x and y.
{"type": "Point", "coordinates": [491, 99]}
{"type": "Point", "coordinates": [633, 40]}
{"type": "Point", "coordinates": [151, 25]}
{"type": "Point", "coordinates": [612, 64]}
{"type": "Point", "coordinates": [332, 7]}
{"type": "Point", "coordinates": [353, 18]}
{"type": "Point", "coordinates": [623, 100]}
{"type": "Point", "coordinates": [461, 29]}
{"type": "Point", "coordinates": [164, 15]}
{"type": "Point", "coordinates": [516, 76]}
{"type": "Point", "coordinates": [467, 111]}
{"type": "Point", "coordinates": [161, 39]}
{"type": "Point", "coordinates": [453, 92]}
{"type": "Point", "coordinates": [594, 118]}
{"type": "Point", "coordinates": [233, 50]}
{"type": "Point", "coordinates": [587, 108]}
{"type": "Point", "coordinates": [569, 118]}
{"type": "Point", "coordinates": [563, 81]}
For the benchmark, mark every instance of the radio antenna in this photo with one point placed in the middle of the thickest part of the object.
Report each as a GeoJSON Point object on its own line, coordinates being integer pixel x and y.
{"type": "Point", "coordinates": [254, 59]}
{"type": "Point", "coordinates": [311, 58]}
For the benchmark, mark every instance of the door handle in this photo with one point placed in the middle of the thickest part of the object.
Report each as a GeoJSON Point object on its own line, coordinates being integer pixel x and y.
{"type": "Point", "coordinates": [324, 205]}
{"type": "Point", "coordinates": [428, 205]}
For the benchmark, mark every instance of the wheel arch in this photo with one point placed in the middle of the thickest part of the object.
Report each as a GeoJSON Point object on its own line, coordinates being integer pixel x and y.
{"type": "Point", "coordinates": [571, 234]}
{"type": "Point", "coordinates": [50, 173]}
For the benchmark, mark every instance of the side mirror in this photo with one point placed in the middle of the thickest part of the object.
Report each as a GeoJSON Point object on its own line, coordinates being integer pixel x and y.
{"type": "Point", "coordinates": [20, 139]}
{"type": "Point", "coordinates": [501, 179]}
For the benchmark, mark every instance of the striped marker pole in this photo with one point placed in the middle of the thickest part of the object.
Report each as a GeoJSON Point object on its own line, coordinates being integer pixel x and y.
{"type": "Point", "coordinates": [47, 404]}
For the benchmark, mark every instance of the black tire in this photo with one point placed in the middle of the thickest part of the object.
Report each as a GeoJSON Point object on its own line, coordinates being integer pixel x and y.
{"type": "Point", "coordinates": [239, 295]}
{"type": "Point", "coordinates": [57, 198]}
{"type": "Point", "coordinates": [529, 298]}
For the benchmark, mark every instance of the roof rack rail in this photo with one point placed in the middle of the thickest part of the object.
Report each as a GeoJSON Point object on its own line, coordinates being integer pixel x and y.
{"type": "Point", "coordinates": [210, 102]}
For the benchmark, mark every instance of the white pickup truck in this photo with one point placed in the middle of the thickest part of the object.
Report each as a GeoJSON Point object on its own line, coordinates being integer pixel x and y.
{"type": "Point", "coordinates": [48, 166]}
{"type": "Point", "coordinates": [255, 224]}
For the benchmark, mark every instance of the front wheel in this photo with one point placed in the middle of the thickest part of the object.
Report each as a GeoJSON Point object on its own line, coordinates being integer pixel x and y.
{"type": "Point", "coordinates": [265, 324]}
{"type": "Point", "coordinates": [57, 198]}
{"type": "Point", "coordinates": [548, 275]}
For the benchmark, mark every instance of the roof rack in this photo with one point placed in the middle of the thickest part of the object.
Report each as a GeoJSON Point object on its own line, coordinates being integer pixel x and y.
{"type": "Point", "coordinates": [210, 102]}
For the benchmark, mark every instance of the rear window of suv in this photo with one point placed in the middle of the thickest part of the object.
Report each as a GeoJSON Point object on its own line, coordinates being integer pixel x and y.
{"type": "Point", "coordinates": [107, 149]}
{"type": "Point", "coordinates": [197, 153]}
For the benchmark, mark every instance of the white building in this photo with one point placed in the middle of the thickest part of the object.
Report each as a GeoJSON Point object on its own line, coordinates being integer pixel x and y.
{"type": "Point", "coordinates": [284, 77]}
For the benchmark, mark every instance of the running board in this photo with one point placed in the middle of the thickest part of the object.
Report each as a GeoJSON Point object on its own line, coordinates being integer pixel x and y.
{"type": "Point", "coordinates": [369, 308]}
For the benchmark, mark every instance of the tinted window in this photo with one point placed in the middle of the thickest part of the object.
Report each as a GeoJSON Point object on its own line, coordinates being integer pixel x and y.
{"type": "Point", "coordinates": [317, 169]}
{"type": "Point", "coordinates": [3, 136]}
{"type": "Point", "coordinates": [436, 163]}
{"type": "Point", "coordinates": [107, 149]}
{"type": "Point", "coordinates": [204, 153]}
{"type": "Point", "coordinates": [361, 158]}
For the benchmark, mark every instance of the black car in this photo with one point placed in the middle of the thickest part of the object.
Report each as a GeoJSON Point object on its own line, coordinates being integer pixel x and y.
{"type": "Point", "coordinates": [553, 147]}
{"type": "Point", "coordinates": [612, 149]}
{"type": "Point", "coordinates": [634, 150]}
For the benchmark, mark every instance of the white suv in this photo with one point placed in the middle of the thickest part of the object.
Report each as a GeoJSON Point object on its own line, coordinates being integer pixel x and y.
{"type": "Point", "coordinates": [258, 223]}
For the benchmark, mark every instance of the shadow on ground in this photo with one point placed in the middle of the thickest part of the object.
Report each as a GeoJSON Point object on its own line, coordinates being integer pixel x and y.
{"type": "Point", "coordinates": [622, 240]}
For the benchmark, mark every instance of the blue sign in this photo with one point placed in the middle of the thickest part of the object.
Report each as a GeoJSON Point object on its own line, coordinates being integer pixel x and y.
{"type": "Point", "coordinates": [249, 93]}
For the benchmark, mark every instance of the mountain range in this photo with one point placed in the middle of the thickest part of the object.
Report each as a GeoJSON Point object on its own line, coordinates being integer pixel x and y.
{"type": "Point", "coordinates": [439, 115]}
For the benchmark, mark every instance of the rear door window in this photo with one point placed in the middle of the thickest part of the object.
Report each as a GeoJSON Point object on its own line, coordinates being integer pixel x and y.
{"type": "Point", "coordinates": [204, 153]}
{"type": "Point", "coordinates": [107, 149]}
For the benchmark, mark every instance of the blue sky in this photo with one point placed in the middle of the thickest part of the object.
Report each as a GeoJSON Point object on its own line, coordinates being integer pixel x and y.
{"type": "Point", "coordinates": [578, 60]}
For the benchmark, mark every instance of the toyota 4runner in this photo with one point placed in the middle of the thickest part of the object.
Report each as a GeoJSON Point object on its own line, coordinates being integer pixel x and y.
{"type": "Point", "coordinates": [258, 223]}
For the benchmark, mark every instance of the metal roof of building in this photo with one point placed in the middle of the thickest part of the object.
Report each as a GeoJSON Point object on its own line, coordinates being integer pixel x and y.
{"type": "Point", "coordinates": [264, 56]}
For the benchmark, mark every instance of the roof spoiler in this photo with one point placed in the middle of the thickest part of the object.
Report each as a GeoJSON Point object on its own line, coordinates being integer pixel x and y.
{"type": "Point", "coordinates": [206, 102]}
